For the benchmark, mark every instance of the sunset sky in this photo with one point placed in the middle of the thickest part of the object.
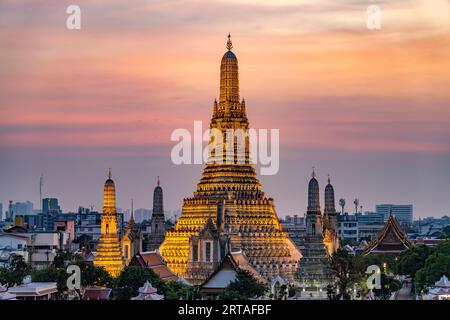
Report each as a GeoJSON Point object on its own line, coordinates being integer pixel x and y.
{"type": "Point", "coordinates": [369, 107]}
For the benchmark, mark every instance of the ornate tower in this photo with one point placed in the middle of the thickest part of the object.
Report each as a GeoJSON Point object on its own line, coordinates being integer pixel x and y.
{"type": "Point", "coordinates": [313, 214]}
{"type": "Point", "coordinates": [158, 229]}
{"type": "Point", "coordinates": [230, 194]}
{"type": "Point", "coordinates": [109, 250]}
{"type": "Point", "coordinates": [132, 238]}
{"type": "Point", "coordinates": [330, 240]}
{"type": "Point", "coordinates": [313, 272]}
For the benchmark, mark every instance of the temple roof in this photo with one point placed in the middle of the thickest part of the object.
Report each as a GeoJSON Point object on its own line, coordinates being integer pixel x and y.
{"type": "Point", "coordinates": [96, 294]}
{"type": "Point", "coordinates": [154, 261]}
{"type": "Point", "coordinates": [391, 239]}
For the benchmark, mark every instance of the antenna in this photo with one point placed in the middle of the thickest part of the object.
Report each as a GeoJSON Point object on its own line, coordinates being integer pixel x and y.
{"type": "Point", "coordinates": [41, 185]}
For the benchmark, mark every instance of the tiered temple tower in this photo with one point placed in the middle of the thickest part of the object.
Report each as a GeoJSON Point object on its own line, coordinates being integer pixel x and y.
{"type": "Point", "coordinates": [109, 253]}
{"type": "Point", "coordinates": [330, 227]}
{"type": "Point", "coordinates": [231, 197]}
{"type": "Point", "coordinates": [158, 228]}
{"type": "Point", "coordinates": [313, 272]}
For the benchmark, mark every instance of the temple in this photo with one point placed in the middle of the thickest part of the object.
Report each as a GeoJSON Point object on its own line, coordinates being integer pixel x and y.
{"type": "Point", "coordinates": [158, 228]}
{"type": "Point", "coordinates": [109, 253]}
{"type": "Point", "coordinates": [390, 240]}
{"type": "Point", "coordinates": [313, 274]}
{"type": "Point", "coordinates": [330, 224]}
{"type": "Point", "coordinates": [229, 211]}
{"type": "Point", "coordinates": [132, 239]}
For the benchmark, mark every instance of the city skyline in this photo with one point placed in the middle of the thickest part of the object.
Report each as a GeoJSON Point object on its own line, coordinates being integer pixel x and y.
{"type": "Point", "coordinates": [110, 94]}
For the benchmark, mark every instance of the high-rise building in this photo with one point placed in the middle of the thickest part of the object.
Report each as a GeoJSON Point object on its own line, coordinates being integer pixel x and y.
{"type": "Point", "coordinates": [229, 202]}
{"type": "Point", "coordinates": [22, 208]}
{"type": "Point", "coordinates": [109, 253]}
{"type": "Point", "coordinates": [1, 211]}
{"type": "Point", "coordinates": [403, 213]}
{"type": "Point", "coordinates": [158, 227]}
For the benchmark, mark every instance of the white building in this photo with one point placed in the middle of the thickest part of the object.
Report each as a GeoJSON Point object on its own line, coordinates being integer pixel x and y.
{"type": "Point", "coordinates": [37, 248]}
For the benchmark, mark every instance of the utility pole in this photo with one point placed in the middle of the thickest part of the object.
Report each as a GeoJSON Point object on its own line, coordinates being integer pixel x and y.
{"type": "Point", "coordinates": [41, 184]}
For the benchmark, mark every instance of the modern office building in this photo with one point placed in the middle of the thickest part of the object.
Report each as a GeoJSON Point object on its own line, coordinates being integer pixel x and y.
{"type": "Point", "coordinates": [22, 208]}
{"type": "Point", "coordinates": [403, 213]}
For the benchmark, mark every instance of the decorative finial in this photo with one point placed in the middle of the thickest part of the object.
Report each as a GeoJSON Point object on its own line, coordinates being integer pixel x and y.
{"type": "Point", "coordinates": [329, 180]}
{"type": "Point", "coordinates": [313, 172]}
{"type": "Point", "coordinates": [229, 43]}
{"type": "Point", "coordinates": [109, 173]}
{"type": "Point", "coordinates": [158, 181]}
{"type": "Point", "coordinates": [132, 211]}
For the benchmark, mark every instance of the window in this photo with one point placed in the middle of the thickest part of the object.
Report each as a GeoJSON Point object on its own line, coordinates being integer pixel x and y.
{"type": "Point", "coordinates": [19, 246]}
{"type": "Point", "coordinates": [195, 252]}
{"type": "Point", "coordinates": [208, 252]}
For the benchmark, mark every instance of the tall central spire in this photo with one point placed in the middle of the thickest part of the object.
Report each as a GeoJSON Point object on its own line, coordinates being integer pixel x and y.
{"type": "Point", "coordinates": [229, 76]}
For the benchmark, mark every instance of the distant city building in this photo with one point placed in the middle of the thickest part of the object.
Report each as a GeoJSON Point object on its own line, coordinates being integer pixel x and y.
{"type": "Point", "coordinates": [296, 228]}
{"type": "Point", "coordinates": [38, 248]}
{"type": "Point", "coordinates": [357, 227]}
{"type": "Point", "coordinates": [50, 209]}
{"type": "Point", "coordinates": [142, 214]}
{"type": "Point", "coordinates": [50, 206]}
{"type": "Point", "coordinates": [22, 208]}
{"type": "Point", "coordinates": [403, 213]}
{"type": "Point", "coordinates": [1, 211]}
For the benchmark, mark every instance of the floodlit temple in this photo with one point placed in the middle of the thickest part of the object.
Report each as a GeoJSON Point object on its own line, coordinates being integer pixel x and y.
{"type": "Point", "coordinates": [229, 211]}
{"type": "Point", "coordinates": [109, 251]}
{"type": "Point", "coordinates": [319, 242]}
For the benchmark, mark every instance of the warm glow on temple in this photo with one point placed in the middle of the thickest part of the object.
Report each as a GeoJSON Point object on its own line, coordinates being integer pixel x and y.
{"type": "Point", "coordinates": [229, 210]}
{"type": "Point", "coordinates": [109, 253]}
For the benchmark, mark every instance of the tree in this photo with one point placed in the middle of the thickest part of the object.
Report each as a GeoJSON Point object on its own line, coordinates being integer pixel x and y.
{"type": "Point", "coordinates": [64, 258]}
{"type": "Point", "coordinates": [346, 269]}
{"type": "Point", "coordinates": [446, 232]}
{"type": "Point", "coordinates": [436, 265]}
{"type": "Point", "coordinates": [388, 286]}
{"type": "Point", "coordinates": [412, 260]}
{"type": "Point", "coordinates": [91, 275]}
{"type": "Point", "coordinates": [127, 284]}
{"type": "Point", "coordinates": [84, 241]}
{"type": "Point", "coordinates": [51, 274]}
{"type": "Point", "coordinates": [15, 272]}
{"type": "Point", "coordinates": [175, 290]}
{"type": "Point", "coordinates": [244, 287]}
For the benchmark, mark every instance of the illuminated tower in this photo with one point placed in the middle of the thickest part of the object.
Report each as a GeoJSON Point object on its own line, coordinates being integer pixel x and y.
{"type": "Point", "coordinates": [109, 250]}
{"type": "Point", "coordinates": [230, 197]}
{"type": "Point", "coordinates": [313, 272]}
{"type": "Point", "coordinates": [158, 229]}
{"type": "Point", "coordinates": [330, 233]}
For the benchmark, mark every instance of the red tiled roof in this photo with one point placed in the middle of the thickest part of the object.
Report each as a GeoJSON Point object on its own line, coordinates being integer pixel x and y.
{"type": "Point", "coordinates": [154, 261]}
{"type": "Point", "coordinates": [96, 294]}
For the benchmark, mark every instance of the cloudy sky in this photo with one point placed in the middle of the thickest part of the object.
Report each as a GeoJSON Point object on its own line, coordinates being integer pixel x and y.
{"type": "Point", "coordinates": [369, 107]}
